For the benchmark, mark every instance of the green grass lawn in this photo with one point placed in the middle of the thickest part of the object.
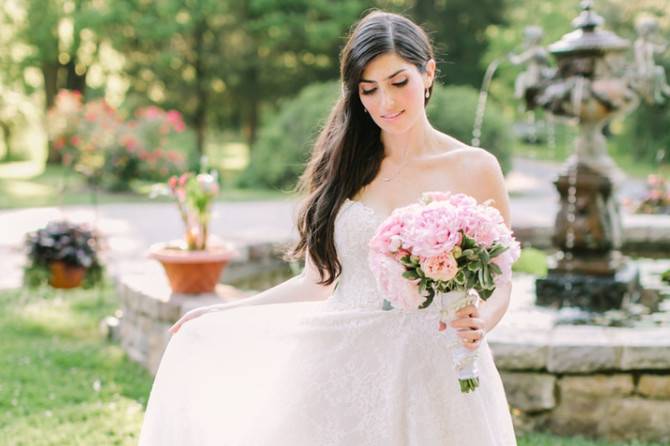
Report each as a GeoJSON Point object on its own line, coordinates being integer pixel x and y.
{"type": "Point", "coordinates": [63, 383]}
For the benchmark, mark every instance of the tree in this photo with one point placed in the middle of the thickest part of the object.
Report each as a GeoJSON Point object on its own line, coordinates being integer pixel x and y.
{"type": "Point", "coordinates": [222, 60]}
{"type": "Point", "coordinates": [60, 42]}
{"type": "Point", "coordinates": [458, 29]}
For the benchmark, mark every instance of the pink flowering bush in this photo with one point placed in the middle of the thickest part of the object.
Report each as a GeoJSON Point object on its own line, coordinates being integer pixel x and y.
{"type": "Point", "coordinates": [62, 124]}
{"type": "Point", "coordinates": [99, 143]}
{"type": "Point", "coordinates": [657, 198]}
{"type": "Point", "coordinates": [445, 242]}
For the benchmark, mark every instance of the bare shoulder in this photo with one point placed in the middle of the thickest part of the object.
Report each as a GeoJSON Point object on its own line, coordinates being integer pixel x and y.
{"type": "Point", "coordinates": [490, 184]}
{"type": "Point", "coordinates": [479, 174]}
{"type": "Point", "coordinates": [462, 156]}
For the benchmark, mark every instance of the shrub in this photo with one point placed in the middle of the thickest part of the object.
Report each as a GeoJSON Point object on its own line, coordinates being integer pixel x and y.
{"type": "Point", "coordinates": [452, 111]}
{"type": "Point", "coordinates": [94, 139]}
{"type": "Point", "coordinates": [284, 144]}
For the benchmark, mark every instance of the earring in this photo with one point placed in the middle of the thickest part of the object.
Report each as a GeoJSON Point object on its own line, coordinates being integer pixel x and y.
{"type": "Point", "coordinates": [427, 93]}
{"type": "Point", "coordinates": [365, 109]}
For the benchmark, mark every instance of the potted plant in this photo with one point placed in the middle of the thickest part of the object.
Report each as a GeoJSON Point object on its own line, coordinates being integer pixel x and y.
{"type": "Point", "coordinates": [193, 265]}
{"type": "Point", "coordinates": [63, 254]}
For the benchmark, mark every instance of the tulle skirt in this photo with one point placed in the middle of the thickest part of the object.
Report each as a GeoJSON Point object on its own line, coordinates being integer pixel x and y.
{"type": "Point", "coordinates": [306, 374]}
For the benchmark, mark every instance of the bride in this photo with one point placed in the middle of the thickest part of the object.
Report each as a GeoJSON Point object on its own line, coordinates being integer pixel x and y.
{"type": "Point", "coordinates": [320, 362]}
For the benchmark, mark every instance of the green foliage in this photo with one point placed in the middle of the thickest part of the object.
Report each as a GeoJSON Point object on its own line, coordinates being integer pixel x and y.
{"type": "Point", "coordinates": [284, 143]}
{"type": "Point", "coordinates": [645, 134]}
{"type": "Point", "coordinates": [220, 61]}
{"type": "Point", "coordinates": [283, 148]}
{"type": "Point", "coordinates": [532, 261]}
{"type": "Point", "coordinates": [457, 28]}
{"type": "Point", "coordinates": [452, 111]}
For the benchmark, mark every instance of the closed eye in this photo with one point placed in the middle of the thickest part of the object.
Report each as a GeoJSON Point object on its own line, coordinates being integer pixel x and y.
{"type": "Point", "coordinates": [397, 84]}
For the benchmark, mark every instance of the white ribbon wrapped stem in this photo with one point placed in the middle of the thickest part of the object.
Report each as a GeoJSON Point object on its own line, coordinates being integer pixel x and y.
{"type": "Point", "coordinates": [465, 360]}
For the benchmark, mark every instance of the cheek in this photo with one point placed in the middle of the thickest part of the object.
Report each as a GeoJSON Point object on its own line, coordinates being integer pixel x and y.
{"type": "Point", "coordinates": [415, 94]}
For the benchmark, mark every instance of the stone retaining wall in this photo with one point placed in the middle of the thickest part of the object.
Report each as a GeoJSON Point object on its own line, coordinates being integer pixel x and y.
{"type": "Point", "coordinates": [596, 381]}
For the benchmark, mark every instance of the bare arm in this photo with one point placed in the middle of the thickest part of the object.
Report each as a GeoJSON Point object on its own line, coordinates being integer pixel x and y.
{"type": "Point", "coordinates": [303, 287]}
{"type": "Point", "coordinates": [474, 322]}
{"type": "Point", "coordinates": [494, 308]}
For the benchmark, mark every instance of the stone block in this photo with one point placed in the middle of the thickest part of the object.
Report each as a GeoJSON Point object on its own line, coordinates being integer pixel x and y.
{"type": "Point", "coordinates": [158, 341]}
{"type": "Point", "coordinates": [586, 401]}
{"type": "Point", "coordinates": [519, 356]}
{"type": "Point", "coordinates": [530, 392]}
{"type": "Point", "coordinates": [603, 386]}
{"type": "Point", "coordinates": [636, 419]}
{"type": "Point", "coordinates": [581, 349]}
{"type": "Point", "coordinates": [636, 357]}
{"type": "Point", "coordinates": [576, 415]}
{"type": "Point", "coordinates": [655, 386]}
{"type": "Point", "coordinates": [642, 348]}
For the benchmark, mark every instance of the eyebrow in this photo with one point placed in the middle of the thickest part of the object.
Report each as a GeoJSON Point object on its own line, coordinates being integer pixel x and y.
{"type": "Point", "coordinates": [374, 82]}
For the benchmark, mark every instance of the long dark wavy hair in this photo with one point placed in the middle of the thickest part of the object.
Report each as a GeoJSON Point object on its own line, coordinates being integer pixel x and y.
{"type": "Point", "coordinates": [348, 152]}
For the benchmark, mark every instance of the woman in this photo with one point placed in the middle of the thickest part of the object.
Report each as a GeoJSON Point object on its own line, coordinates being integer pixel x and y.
{"type": "Point", "coordinates": [320, 362]}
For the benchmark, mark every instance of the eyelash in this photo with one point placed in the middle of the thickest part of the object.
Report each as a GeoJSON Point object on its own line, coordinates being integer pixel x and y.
{"type": "Point", "coordinates": [397, 84]}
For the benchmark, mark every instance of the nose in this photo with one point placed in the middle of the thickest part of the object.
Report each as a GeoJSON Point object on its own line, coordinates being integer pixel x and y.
{"type": "Point", "coordinates": [387, 101]}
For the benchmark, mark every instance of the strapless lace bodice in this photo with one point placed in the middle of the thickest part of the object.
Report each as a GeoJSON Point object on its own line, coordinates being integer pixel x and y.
{"type": "Point", "coordinates": [356, 288]}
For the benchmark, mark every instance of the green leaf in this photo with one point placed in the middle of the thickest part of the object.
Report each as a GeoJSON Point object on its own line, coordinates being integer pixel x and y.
{"type": "Point", "coordinates": [411, 275]}
{"type": "Point", "coordinates": [485, 293]}
{"type": "Point", "coordinates": [484, 256]}
{"type": "Point", "coordinates": [495, 268]}
{"type": "Point", "coordinates": [429, 299]}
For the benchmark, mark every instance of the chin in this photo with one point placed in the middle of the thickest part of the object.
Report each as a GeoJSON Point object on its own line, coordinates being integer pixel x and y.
{"type": "Point", "coordinates": [397, 128]}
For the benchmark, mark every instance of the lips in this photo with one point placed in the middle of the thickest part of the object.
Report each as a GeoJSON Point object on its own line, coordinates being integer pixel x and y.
{"type": "Point", "coordinates": [393, 116]}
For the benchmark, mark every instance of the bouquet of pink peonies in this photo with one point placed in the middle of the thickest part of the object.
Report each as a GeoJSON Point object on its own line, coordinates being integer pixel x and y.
{"type": "Point", "coordinates": [446, 247]}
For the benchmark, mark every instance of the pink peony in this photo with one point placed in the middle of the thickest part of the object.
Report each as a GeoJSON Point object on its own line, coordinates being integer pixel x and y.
{"type": "Point", "coordinates": [441, 267]}
{"type": "Point", "coordinates": [387, 236]}
{"type": "Point", "coordinates": [402, 293]}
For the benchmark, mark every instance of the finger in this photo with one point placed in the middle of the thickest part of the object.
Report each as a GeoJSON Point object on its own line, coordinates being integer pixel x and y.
{"type": "Point", "coordinates": [471, 345]}
{"type": "Point", "coordinates": [471, 334]}
{"type": "Point", "coordinates": [468, 322]}
{"type": "Point", "coordinates": [468, 310]}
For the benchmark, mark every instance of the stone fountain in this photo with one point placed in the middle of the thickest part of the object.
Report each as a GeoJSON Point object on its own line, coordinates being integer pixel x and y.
{"type": "Point", "coordinates": [591, 84]}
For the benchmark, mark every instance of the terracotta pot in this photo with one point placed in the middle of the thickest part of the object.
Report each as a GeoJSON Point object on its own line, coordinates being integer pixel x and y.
{"type": "Point", "coordinates": [65, 276]}
{"type": "Point", "coordinates": [192, 272]}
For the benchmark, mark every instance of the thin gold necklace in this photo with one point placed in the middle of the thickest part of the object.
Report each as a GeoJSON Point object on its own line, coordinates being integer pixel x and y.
{"type": "Point", "coordinates": [406, 161]}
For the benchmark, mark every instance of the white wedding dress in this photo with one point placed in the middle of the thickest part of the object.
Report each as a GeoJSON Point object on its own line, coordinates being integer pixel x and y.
{"type": "Point", "coordinates": [336, 372]}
